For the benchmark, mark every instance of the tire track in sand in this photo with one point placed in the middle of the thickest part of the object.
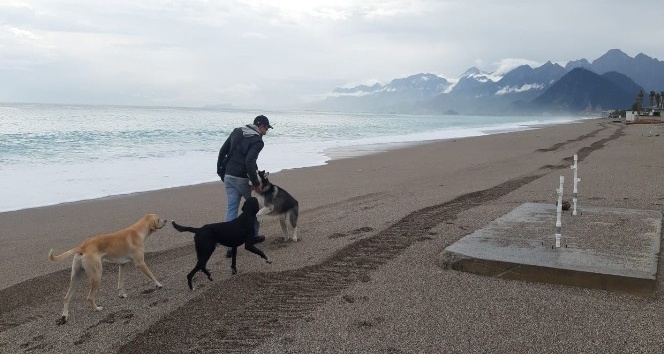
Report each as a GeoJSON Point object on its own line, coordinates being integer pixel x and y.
{"type": "Point", "coordinates": [235, 316]}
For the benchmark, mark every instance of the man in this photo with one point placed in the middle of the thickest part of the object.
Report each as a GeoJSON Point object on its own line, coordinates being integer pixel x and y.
{"type": "Point", "coordinates": [239, 154]}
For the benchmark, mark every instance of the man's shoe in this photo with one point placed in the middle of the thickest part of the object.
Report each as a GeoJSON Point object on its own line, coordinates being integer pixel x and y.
{"type": "Point", "coordinates": [257, 239]}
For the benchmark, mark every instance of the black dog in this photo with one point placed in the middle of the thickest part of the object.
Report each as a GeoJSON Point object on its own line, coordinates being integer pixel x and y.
{"type": "Point", "coordinates": [230, 234]}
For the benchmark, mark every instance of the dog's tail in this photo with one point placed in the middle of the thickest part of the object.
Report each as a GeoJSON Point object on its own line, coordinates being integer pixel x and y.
{"type": "Point", "coordinates": [64, 255]}
{"type": "Point", "coordinates": [184, 228]}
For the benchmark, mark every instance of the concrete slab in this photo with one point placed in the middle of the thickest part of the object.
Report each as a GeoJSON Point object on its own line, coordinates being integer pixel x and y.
{"type": "Point", "coordinates": [606, 248]}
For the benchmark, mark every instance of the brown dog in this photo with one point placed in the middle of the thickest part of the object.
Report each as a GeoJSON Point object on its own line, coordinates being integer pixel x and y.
{"type": "Point", "coordinates": [120, 247]}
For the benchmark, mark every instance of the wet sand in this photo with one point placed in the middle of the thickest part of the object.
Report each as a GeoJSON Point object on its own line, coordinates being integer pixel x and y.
{"type": "Point", "coordinates": [365, 277]}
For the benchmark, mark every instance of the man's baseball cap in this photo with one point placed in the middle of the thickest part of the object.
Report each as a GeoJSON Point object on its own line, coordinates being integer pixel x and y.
{"type": "Point", "coordinates": [262, 120]}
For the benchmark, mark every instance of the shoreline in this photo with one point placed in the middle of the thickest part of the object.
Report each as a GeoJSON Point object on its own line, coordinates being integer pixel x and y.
{"type": "Point", "coordinates": [372, 229]}
{"type": "Point", "coordinates": [120, 205]}
{"type": "Point", "coordinates": [333, 153]}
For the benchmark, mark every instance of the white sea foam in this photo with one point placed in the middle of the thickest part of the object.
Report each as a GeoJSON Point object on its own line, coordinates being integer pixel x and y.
{"type": "Point", "coordinates": [56, 154]}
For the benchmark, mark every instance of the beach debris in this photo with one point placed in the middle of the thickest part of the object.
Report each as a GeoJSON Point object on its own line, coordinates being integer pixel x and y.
{"type": "Point", "coordinates": [566, 205]}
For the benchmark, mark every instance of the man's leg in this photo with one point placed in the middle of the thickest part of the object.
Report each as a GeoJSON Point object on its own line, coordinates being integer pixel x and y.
{"type": "Point", "coordinates": [232, 199]}
{"type": "Point", "coordinates": [232, 203]}
{"type": "Point", "coordinates": [236, 188]}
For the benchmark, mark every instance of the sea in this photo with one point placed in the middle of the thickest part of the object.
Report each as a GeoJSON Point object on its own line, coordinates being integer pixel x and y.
{"type": "Point", "coordinates": [52, 154]}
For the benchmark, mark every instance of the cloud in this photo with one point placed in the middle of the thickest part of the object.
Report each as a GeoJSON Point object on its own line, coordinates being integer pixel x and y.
{"type": "Point", "coordinates": [506, 65]}
{"type": "Point", "coordinates": [522, 88]}
{"type": "Point", "coordinates": [20, 35]}
{"type": "Point", "coordinates": [260, 52]}
{"type": "Point", "coordinates": [348, 94]}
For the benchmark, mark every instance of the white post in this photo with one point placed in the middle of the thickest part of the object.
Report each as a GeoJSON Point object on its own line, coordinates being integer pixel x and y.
{"type": "Point", "coordinates": [559, 211]}
{"type": "Point", "coordinates": [576, 181]}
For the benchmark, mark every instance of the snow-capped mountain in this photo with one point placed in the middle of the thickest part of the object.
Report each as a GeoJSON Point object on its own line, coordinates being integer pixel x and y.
{"type": "Point", "coordinates": [478, 92]}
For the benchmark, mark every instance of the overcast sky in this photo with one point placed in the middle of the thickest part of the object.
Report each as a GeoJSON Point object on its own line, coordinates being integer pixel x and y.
{"type": "Point", "coordinates": [274, 54]}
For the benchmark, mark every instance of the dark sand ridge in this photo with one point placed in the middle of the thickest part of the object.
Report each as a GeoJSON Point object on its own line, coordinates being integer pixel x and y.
{"type": "Point", "coordinates": [365, 276]}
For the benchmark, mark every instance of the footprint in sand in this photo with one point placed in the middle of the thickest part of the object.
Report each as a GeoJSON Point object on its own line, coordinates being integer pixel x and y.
{"type": "Point", "coordinates": [149, 291]}
{"type": "Point", "coordinates": [34, 343]}
{"type": "Point", "coordinates": [354, 232]}
{"type": "Point", "coordinates": [157, 303]}
{"type": "Point", "coordinates": [369, 323]}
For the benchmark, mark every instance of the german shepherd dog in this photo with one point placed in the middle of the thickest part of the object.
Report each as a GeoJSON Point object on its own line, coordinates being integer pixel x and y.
{"type": "Point", "coordinates": [276, 201]}
{"type": "Point", "coordinates": [232, 234]}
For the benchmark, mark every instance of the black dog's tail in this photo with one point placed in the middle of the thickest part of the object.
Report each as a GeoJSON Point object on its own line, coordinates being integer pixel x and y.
{"type": "Point", "coordinates": [185, 228]}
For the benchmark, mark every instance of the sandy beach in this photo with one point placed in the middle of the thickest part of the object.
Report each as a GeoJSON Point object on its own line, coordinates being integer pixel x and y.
{"type": "Point", "coordinates": [365, 276]}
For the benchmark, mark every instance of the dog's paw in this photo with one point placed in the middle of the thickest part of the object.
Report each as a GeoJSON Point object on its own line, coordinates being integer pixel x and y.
{"type": "Point", "coordinates": [99, 308]}
{"type": "Point", "coordinates": [62, 320]}
{"type": "Point", "coordinates": [268, 261]}
{"type": "Point", "coordinates": [159, 285]}
{"type": "Point", "coordinates": [233, 271]}
{"type": "Point", "coordinates": [123, 295]}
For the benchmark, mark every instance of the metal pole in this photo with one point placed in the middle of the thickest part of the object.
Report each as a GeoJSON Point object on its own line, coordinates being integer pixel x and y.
{"type": "Point", "coordinates": [576, 181]}
{"type": "Point", "coordinates": [559, 211]}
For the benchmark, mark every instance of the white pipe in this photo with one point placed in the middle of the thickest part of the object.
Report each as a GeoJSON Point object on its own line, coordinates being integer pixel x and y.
{"type": "Point", "coordinates": [559, 211]}
{"type": "Point", "coordinates": [576, 181]}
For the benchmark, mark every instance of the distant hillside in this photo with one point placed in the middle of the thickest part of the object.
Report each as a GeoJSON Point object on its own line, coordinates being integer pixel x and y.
{"type": "Point", "coordinates": [584, 90]}
{"type": "Point", "coordinates": [402, 95]}
{"type": "Point", "coordinates": [624, 82]}
{"type": "Point", "coordinates": [611, 81]}
{"type": "Point", "coordinates": [647, 72]}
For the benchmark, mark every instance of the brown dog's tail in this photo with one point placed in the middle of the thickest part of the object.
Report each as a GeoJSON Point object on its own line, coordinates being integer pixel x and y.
{"type": "Point", "coordinates": [62, 256]}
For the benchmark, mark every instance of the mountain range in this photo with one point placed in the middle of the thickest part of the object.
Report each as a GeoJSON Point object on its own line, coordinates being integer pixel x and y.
{"type": "Point", "coordinates": [611, 81]}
